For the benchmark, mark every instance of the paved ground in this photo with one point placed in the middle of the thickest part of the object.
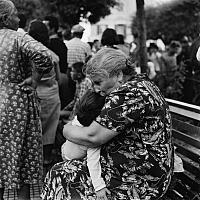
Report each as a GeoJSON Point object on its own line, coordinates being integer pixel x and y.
{"type": "Point", "coordinates": [35, 189]}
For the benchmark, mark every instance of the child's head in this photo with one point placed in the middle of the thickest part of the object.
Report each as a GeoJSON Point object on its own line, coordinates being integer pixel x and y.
{"type": "Point", "coordinates": [77, 71]}
{"type": "Point", "coordinates": [89, 107]}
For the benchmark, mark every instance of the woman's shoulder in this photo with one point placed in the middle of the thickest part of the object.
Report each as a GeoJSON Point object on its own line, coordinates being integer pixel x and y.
{"type": "Point", "coordinates": [135, 86]}
{"type": "Point", "coordinates": [12, 34]}
{"type": "Point", "coordinates": [134, 82]}
{"type": "Point", "coordinates": [11, 39]}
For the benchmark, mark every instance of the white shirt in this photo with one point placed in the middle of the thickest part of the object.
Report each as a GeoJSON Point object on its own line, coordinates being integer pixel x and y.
{"type": "Point", "coordinates": [78, 51]}
{"type": "Point", "coordinates": [74, 151]}
{"type": "Point", "coordinates": [198, 54]}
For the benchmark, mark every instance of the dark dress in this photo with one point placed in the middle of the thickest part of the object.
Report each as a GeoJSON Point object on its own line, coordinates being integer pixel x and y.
{"type": "Point", "coordinates": [20, 126]}
{"type": "Point", "coordinates": [139, 157]}
{"type": "Point", "coordinates": [67, 86]}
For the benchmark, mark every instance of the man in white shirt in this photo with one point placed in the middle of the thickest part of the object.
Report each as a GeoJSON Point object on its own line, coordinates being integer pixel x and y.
{"type": "Point", "coordinates": [78, 51]}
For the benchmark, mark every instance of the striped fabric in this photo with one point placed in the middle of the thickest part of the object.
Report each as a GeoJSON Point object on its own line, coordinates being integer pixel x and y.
{"type": "Point", "coordinates": [78, 51]}
{"type": "Point", "coordinates": [35, 192]}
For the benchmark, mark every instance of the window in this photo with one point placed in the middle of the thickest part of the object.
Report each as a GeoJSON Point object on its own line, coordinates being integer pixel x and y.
{"type": "Point", "coordinates": [121, 29]}
{"type": "Point", "coordinates": [101, 28]}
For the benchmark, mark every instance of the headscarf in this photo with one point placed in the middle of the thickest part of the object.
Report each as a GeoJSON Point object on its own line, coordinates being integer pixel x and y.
{"type": "Point", "coordinates": [6, 9]}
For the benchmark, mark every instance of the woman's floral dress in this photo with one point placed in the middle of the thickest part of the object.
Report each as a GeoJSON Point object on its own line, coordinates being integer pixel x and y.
{"type": "Point", "coordinates": [20, 127]}
{"type": "Point", "coordinates": [136, 162]}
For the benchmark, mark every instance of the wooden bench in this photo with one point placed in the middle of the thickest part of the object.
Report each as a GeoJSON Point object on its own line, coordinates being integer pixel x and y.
{"type": "Point", "coordinates": [186, 137]}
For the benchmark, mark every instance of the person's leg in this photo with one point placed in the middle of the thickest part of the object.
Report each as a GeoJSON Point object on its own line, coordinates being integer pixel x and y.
{"type": "Point", "coordinates": [1, 193]}
{"type": "Point", "coordinates": [47, 152]}
{"type": "Point", "coordinates": [24, 192]}
{"type": "Point", "coordinates": [63, 180]}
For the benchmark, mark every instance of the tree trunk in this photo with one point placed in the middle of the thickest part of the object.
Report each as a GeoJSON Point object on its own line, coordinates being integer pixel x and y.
{"type": "Point", "coordinates": [142, 54]}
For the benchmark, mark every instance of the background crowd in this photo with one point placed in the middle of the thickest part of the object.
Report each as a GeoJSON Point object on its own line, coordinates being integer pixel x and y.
{"type": "Point", "coordinates": [172, 66]}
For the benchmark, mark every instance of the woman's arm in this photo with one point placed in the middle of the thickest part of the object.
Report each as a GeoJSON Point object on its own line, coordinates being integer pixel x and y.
{"type": "Point", "coordinates": [92, 136]}
{"type": "Point", "coordinates": [56, 67]}
{"type": "Point", "coordinates": [38, 54]}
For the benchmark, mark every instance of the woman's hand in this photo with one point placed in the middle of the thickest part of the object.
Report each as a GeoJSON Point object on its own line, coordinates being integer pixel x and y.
{"type": "Point", "coordinates": [29, 81]}
{"type": "Point", "coordinates": [103, 194]}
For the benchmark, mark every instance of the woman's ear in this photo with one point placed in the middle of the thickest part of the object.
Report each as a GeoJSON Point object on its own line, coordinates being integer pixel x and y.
{"type": "Point", "coordinates": [120, 77]}
{"type": "Point", "coordinates": [80, 75]}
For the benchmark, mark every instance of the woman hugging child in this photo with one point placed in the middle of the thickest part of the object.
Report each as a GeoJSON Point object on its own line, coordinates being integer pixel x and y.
{"type": "Point", "coordinates": [88, 109]}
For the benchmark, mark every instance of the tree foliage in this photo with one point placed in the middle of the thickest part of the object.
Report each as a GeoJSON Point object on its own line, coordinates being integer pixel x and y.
{"type": "Point", "coordinates": [71, 10]}
{"type": "Point", "coordinates": [68, 11]}
{"type": "Point", "coordinates": [173, 20]}
{"type": "Point", "coordinates": [31, 8]}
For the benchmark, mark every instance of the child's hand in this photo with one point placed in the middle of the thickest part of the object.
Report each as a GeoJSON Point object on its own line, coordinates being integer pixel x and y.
{"type": "Point", "coordinates": [102, 194]}
{"type": "Point", "coordinates": [65, 113]}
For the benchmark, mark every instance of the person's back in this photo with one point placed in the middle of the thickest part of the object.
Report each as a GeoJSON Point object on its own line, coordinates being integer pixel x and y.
{"type": "Point", "coordinates": [22, 23]}
{"type": "Point", "coordinates": [56, 44]}
{"type": "Point", "coordinates": [48, 92]}
{"type": "Point", "coordinates": [39, 32]}
{"type": "Point", "coordinates": [78, 51]}
{"type": "Point", "coordinates": [59, 47]}
{"type": "Point", "coordinates": [66, 87]}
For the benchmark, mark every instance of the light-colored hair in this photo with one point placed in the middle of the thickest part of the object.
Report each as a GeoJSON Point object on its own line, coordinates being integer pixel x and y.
{"type": "Point", "coordinates": [6, 9]}
{"type": "Point", "coordinates": [108, 62]}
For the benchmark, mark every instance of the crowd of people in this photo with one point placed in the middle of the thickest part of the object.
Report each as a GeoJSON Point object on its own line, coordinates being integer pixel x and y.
{"type": "Point", "coordinates": [173, 67]}
{"type": "Point", "coordinates": [112, 125]}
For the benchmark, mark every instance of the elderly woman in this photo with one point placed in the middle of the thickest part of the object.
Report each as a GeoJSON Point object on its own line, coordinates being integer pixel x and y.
{"type": "Point", "coordinates": [20, 129]}
{"type": "Point", "coordinates": [133, 130]}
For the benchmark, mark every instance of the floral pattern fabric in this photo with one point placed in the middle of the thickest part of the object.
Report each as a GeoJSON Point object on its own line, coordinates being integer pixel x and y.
{"type": "Point", "coordinates": [136, 162]}
{"type": "Point", "coordinates": [20, 127]}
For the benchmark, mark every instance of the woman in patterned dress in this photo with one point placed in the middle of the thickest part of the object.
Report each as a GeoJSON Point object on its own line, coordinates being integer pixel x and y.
{"type": "Point", "coordinates": [20, 127]}
{"type": "Point", "coordinates": [134, 131]}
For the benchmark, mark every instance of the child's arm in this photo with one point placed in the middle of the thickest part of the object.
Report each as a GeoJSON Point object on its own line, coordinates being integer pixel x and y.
{"type": "Point", "coordinates": [93, 163]}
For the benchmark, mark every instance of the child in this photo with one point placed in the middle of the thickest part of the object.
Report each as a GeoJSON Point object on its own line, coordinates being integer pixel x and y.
{"type": "Point", "coordinates": [82, 85]}
{"type": "Point", "coordinates": [88, 109]}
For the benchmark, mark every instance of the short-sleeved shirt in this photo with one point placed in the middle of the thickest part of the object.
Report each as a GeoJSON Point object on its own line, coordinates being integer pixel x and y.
{"type": "Point", "coordinates": [142, 152]}
{"type": "Point", "coordinates": [78, 51]}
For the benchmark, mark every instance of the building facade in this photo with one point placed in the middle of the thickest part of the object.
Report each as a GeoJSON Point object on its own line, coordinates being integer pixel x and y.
{"type": "Point", "coordinates": [120, 19]}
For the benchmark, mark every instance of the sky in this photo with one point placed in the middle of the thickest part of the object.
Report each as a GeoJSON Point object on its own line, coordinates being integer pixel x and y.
{"type": "Point", "coordinates": [156, 2]}
{"type": "Point", "coordinates": [132, 4]}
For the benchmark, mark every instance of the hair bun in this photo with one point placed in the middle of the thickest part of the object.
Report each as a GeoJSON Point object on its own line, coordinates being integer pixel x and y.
{"type": "Point", "coordinates": [130, 67]}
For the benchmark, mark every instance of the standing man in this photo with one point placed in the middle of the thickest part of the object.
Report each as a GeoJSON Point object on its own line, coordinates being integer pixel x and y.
{"type": "Point", "coordinates": [57, 45]}
{"type": "Point", "coordinates": [78, 51]}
